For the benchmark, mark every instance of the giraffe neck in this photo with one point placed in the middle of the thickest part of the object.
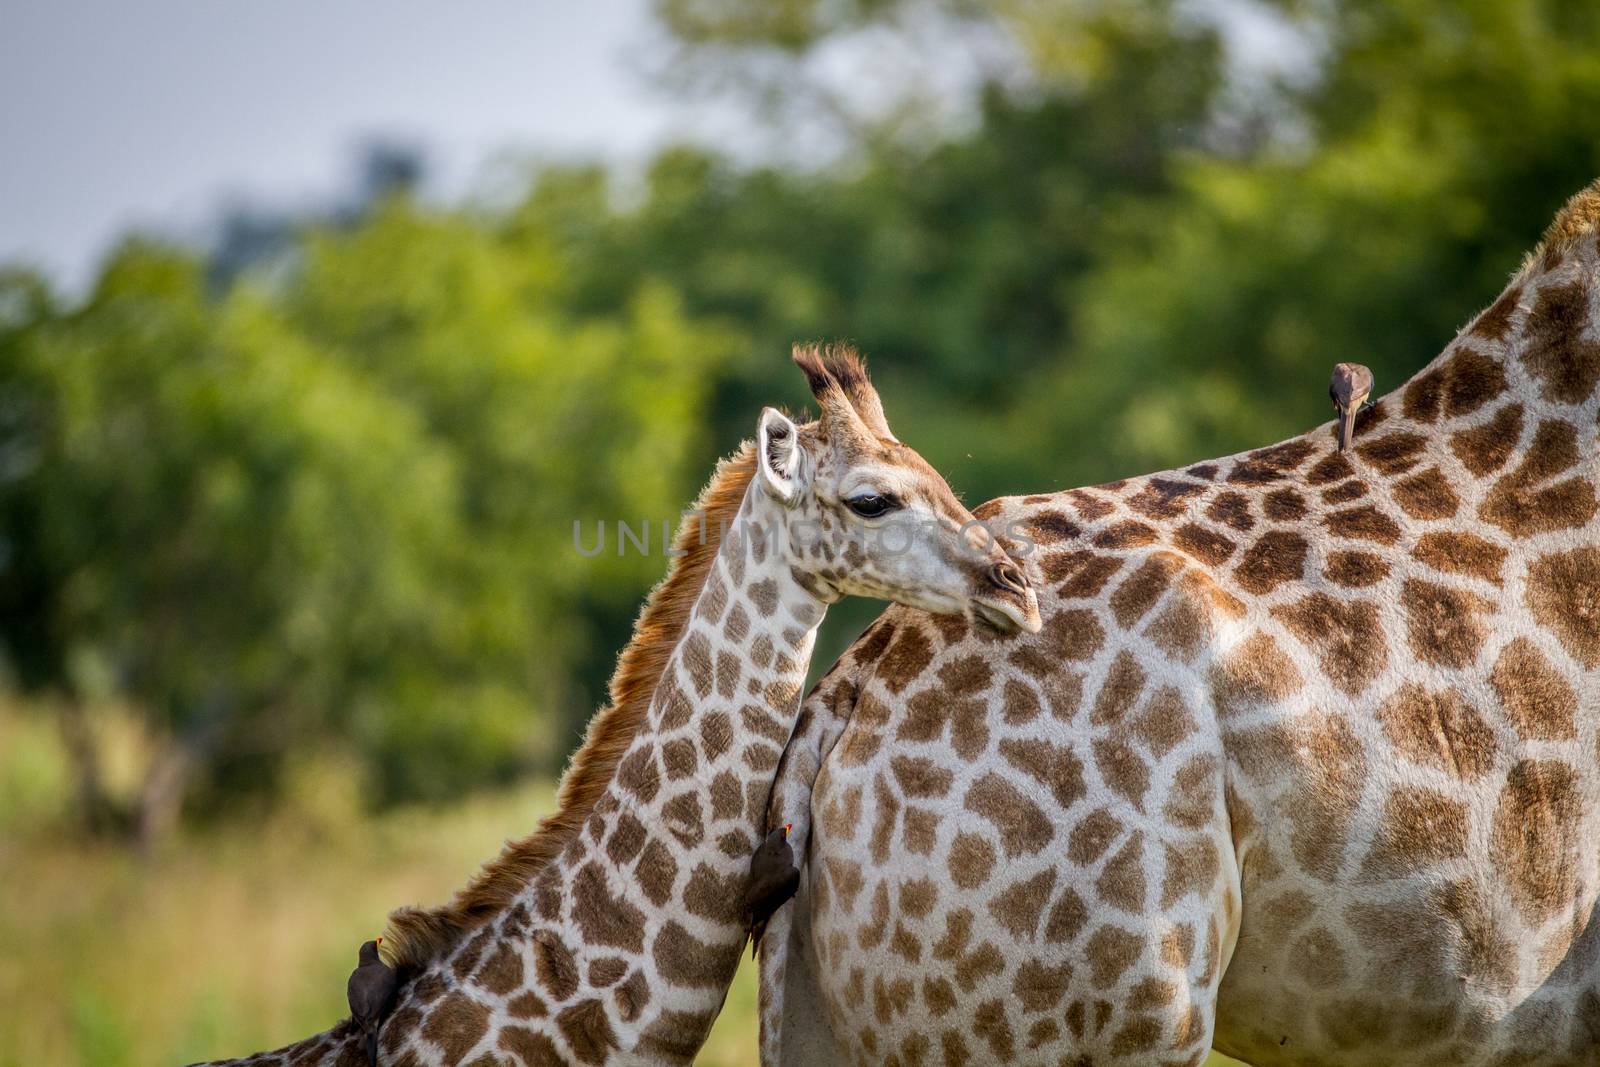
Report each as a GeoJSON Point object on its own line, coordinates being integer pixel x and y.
{"type": "Point", "coordinates": [636, 927]}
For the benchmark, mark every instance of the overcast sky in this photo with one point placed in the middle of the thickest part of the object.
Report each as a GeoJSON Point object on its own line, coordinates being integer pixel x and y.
{"type": "Point", "coordinates": [155, 112]}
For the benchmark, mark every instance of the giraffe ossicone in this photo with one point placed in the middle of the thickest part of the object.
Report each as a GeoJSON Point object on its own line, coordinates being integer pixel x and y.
{"type": "Point", "coordinates": [610, 935]}
{"type": "Point", "coordinates": [1305, 762]}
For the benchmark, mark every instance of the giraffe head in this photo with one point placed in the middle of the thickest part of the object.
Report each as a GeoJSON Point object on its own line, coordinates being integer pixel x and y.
{"type": "Point", "coordinates": [863, 514]}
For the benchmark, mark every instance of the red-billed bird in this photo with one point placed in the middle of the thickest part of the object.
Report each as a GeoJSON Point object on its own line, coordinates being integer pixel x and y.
{"type": "Point", "coordinates": [774, 877]}
{"type": "Point", "coordinates": [371, 991]}
{"type": "Point", "coordinates": [1349, 390]}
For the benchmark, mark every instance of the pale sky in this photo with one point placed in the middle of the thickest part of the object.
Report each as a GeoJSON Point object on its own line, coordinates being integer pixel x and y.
{"type": "Point", "coordinates": [116, 113]}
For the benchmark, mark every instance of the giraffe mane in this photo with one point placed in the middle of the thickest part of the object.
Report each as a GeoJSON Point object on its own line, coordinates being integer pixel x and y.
{"type": "Point", "coordinates": [1579, 216]}
{"type": "Point", "coordinates": [416, 936]}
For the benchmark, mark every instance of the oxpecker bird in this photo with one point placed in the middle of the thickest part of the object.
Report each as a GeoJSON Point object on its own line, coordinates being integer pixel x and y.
{"type": "Point", "coordinates": [1349, 390]}
{"type": "Point", "coordinates": [774, 877]}
{"type": "Point", "coordinates": [371, 991]}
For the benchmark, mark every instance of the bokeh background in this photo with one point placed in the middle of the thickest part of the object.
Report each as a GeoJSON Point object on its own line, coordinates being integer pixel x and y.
{"type": "Point", "coordinates": [320, 326]}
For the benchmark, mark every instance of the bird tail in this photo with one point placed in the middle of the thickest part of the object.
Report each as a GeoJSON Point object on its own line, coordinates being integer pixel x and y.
{"type": "Point", "coordinates": [1347, 424]}
{"type": "Point", "coordinates": [372, 1047]}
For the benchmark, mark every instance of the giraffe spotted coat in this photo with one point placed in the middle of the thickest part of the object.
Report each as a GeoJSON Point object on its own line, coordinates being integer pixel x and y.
{"type": "Point", "coordinates": [1305, 761]}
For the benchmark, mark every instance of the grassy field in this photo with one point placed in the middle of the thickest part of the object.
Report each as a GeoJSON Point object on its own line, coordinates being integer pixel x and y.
{"type": "Point", "coordinates": [227, 942]}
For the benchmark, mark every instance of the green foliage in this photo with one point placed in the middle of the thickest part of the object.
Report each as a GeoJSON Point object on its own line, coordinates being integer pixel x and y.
{"type": "Point", "coordinates": [331, 503]}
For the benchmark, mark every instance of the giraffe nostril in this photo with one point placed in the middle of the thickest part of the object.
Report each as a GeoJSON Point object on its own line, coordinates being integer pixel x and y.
{"type": "Point", "coordinates": [1008, 577]}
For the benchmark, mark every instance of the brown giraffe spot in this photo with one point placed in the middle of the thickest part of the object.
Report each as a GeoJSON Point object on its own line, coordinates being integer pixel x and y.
{"type": "Point", "coordinates": [1344, 492]}
{"type": "Point", "coordinates": [1165, 722]}
{"type": "Point", "coordinates": [716, 734]}
{"type": "Point", "coordinates": [680, 758]}
{"type": "Point", "coordinates": [1150, 992]}
{"type": "Point", "coordinates": [1393, 453]}
{"type": "Point", "coordinates": [1111, 950]}
{"type": "Point", "coordinates": [1557, 353]}
{"type": "Point", "coordinates": [1019, 703]}
{"type": "Point", "coordinates": [1068, 916]}
{"type": "Point", "coordinates": [917, 897]}
{"type": "Point", "coordinates": [1462, 384]}
{"type": "Point", "coordinates": [759, 722]}
{"type": "Point", "coordinates": [1068, 635]}
{"type": "Point", "coordinates": [1040, 987]}
{"type": "Point", "coordinates": [972, 860]}
{"type": "Point", "coordinates": [1121, 882]}
{"type": "Point", "coordinates": [1254, 673]}
{"type": "Point", "coordinates": [467, 957]}
{"type": "Point", "coordinates": [1139, 592]}
{"type": "Point", "coordinates": [1460, 553]}
{"type": "Point", "coordinates": [675, 1036]}
{"type": "Point", "coordinates": [1192, 801]}
{"type": "Point", "coordinates": [1022, 826]}
{"type": "Point", "coordinates": [1539, 702]}
{"type": "Point", "coordinates": [939, 995]}
{"type": "Point", "coordinates": [1485, 448]}
{"type": "Point", "coordinates": [1355, 570]}
{"type": "Point", "coordinates": [656, 872]}
{"type": "Point", "coordinates": [1191, 867]}
{"type": "Point", "coordinates": [1495, 322]}
{"type": "Point", "coordinates": [1181, 628]}
{"type": "Point", "coordinates": [969, 734]}
{"type": "Point", "coordinates": [1481, 950]}
{"type": "Point", "coordinates": [926, 715]}
{"type": "Point", "coordinates": [989, 1023]}
{"type": "Point", "coordinates": [1443, 625]}
{"type": "Point", "coordinates": [1126, 534]}
{"type": "Point", "coordinates": [683, 817]}
{"type": "Point", "coordinates": [1364, 523]}
{"type": "Point", "coordinates": [1164, 498]}
{"type": "Point", "coordinates": [919, 776]}
{"type": "Point", "coordinates": [883, 828]}
{"type": "Point", "coordinates": [527, 1005]}
{"type": "Point", "coordinates": [712, 896]}
{"type": "Point", "coordinates": [981, 963]}
{"type": "Point", "coordinates": [1122, 769]}
{"type": "Point", "coordinates": [761, 651]}
{"type": "Point", "coordinates": [1092, 836]}
{"type": "Point", "coordinates": [727, 799]}
{"type": "Point", "coordinates": [1055, 767]}
{"type": "Point", "coordinates": [1347, 635]}
{"type": "Point", "coordinates": [502, 971]}
{"type": "Point", "coordinates": [588, 1031]}
{"type": "Point", "coordinates": [1017, 907]}
{"type": "Point", "coordinates": [1088, 505]}
{"type": "Point", "coordinates": [1063, 693]}
{"type": "Point", "coordinates": [1081, 574]}
{"type": "Point", "coordinates": [533, 1049]}
{"type": "Point", "coordinates": [1231, 509]}
{"type": "Point", "coordinates": [456, 1024]}
{"type": "Point", "coordinates": [764, 595]}
{"type": "Point", "coordinates": [684, 959]}
{"type": "Point", "coordinates": [1563, 592]}
{"type": "Point", "coordinates": [1334, 467]}
{"type": "Point", "coordinates": [427, 989]}
{"type": "Point", "coordinates": [1284, 913]}
{"type": "Point", "coordinates": [844, 876]}
{"type": "Point", "coordinates": [608, 970]}
{"type": "Point", "coordinates": [1048, 527]}
{"type": "Point", "coordinates": [1284, 505]}
{"type": "Point", "coordinates": [966, 676]}
{"type": "Point", "coordinates": [1426, 496]}
{"type": "Point", "coordinates": [907, 657]}
{"type": "Point", "coordinates": [1043, 1032]}
{"type": "Point", "coordinates": [1438, 729]}
{"type": "Point", "coordinates": [1208, 546]}
{"type": "Point", "coordinates": [1277, 556]}
{"type": "Point", "coordinates": [553, 965]}
{"type": "Point", "coordinates": [1123, 685]}
{"type": "Point", "coordinates": [738, 625]}
{"type": "Point", "coordinates": [1535, 837]}
{"type": "Point", "coordinates": [1138, 1034]}
{"type": "Point", "coordinates": [955, 1049]}
{"type": "Point", "coordinates": [1520, 509]}
{"type": "Point", "coordinates": [697, 662]}
{"type": "Point", "coordinates": [1177, 946]}
{"type": "Point", "coordinates": [957, 933]}
{"type": "Point", "coordinates": [918, 830]}
{"type": "Point", "coordinates": [1420, 828]}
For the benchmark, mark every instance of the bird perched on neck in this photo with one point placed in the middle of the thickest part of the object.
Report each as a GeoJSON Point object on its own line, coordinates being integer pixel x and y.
{"type": "Point", "coordinates": [774, 877]}
{"type": "Point", "coordinates": [371, 991]}
{"type": "Point", "coordinates": [1349, 390]}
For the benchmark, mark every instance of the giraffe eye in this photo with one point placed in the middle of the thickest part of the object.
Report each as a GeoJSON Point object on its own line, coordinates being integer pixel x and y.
{"type": "Point", "coordinates": [872, 505]}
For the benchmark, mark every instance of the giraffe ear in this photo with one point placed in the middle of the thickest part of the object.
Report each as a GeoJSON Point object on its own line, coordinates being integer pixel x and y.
{"type": "Point", "coordinates": [783, 463]}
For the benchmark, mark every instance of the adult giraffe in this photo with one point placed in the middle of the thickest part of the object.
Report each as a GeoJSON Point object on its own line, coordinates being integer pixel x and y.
{"type": "Point", "coordinates": [610, 935]}
{"type": "Point", "coordinates": [1305, 762]}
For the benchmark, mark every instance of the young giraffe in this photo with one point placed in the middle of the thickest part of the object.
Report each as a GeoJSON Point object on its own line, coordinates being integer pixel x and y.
{"type": "Point", "coordinates": [1305, 761]}
{"type": "Point", "coordinates": [610, 935]}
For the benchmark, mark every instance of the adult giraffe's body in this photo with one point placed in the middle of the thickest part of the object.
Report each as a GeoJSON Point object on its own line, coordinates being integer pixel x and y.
{"type": "Point", "coordinates": [1305, 762]}
{"type": "Point", "coordinates": [610, 936]}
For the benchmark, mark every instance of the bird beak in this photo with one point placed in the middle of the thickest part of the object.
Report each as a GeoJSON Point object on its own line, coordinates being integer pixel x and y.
{"type": "Point", "coordinates": [379, 940]}
{"type": "Point", "coordinates": [1347, 421]}
{"type": "Point", "coordinates": [787, 827]}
